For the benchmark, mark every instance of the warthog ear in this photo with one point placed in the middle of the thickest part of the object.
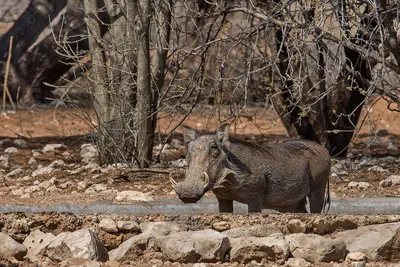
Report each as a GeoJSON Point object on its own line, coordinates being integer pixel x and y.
{"type": "Point", "coordinates": [222, 133]}
{"type": "Point", "coordinates": [189, 134]}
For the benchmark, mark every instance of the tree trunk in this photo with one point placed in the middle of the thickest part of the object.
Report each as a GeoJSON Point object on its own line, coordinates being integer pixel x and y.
{"type": "Point", "coordinates": [144, 106]}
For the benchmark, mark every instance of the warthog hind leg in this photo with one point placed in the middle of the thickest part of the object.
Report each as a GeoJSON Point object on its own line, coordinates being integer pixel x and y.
{"type": "Point", "coordinates": [225, 205]}
{"type": "Point", "coordinates": [254, 207]}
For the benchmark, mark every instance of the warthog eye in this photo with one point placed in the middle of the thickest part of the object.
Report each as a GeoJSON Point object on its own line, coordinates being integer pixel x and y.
{"type": "Point", "coordinates": [214, 151]}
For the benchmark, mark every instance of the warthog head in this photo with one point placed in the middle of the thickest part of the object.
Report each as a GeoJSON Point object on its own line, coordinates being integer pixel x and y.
{"type": "Point", "coordinates": [207, 161]}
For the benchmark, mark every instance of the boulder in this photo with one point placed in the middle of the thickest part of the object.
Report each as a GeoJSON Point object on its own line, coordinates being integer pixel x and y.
{"type": "Point", "coordinates": [195, 246]}
{"type": "Point", "coordinates": [315, 248]}
{"type": "Point", "coordinates": [131, 248]}
{"type": "Point", "coordinates": [160, 228]}
{"type": "Point", "coordinates": [255, 230]}
{"type": "Point", "coordinates": [377, 242]}
{"type": "Point", "coordinates": [128, 226]}
{"type": "Point", "coordinates": [36, 243]}
{"type": "Point", "coordinates": [11, 248]}
{"type": "Point", "coordinates": [83, 244]}
{"type": "Point", "coordinates": [272, 248]}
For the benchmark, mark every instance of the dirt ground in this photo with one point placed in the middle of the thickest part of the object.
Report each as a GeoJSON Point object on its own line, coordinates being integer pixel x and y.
{"type": "Point", "coordinates": [40, 126]}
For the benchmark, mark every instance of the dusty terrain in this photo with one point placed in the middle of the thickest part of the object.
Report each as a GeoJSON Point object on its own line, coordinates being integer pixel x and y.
{"type": "Point", "coordinates": [73, 181]}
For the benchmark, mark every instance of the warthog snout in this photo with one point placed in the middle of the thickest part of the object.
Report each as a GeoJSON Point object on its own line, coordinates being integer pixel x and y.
{"type": "Point", "coordinates": [190, 192]}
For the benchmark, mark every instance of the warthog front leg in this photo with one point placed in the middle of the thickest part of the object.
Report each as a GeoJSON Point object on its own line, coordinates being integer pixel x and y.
{"type": "Point", "coordinates": [254, 207]}
{"type": "Point", "coordinates": [225, 205]}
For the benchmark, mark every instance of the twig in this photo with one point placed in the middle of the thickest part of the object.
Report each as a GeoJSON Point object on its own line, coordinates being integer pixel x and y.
{"type": "Point", "coordinates": [5, 87]}
{"type": "Point", "coordinates": [145, 170]}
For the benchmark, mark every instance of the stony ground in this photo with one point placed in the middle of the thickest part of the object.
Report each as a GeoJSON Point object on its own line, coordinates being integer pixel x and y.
{"type": "Point", "coordinates": [46, 158]}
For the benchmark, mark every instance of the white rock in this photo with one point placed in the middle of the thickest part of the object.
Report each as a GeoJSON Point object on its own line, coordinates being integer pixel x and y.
{"type": "Point", "coordinates": [391, 180]}
{"type": "Point", "coordinates": [377, 242]}
{"type": "Point", "coordinates": [20, 143]}
{"type": "Point", "coordinates": [10, 150]}
{"type": "Point", "coordinates": [89, 153]}
{"type": "Point", "coordinates": [26, 195]}
{"type": "Point", "coordinates": [15, 172]}
{"type": "Point", "coordinates": [359, 185]}
{"type": "Point", "coordinates": [32, 161]}
{"type": "Point", "coordinates": [296, 226]}
{"type": "Point", "coordinates": [83, 244]}
{"type": "Point", "coordinates": [254, 230]}
{"type": "Point", "coordinates": [52, 188]}
{"type": "Point", "coordinates": [321, 225]}
{"type": "Point", "coordinates": [130, 226]}
{"type": "Point", "coordinates": [108, 226]}
{"type": "Point", "coordinates": [36, 243]}
{"type": "Point", "coordinates": [4, 161]}
{"type": "Point", "coordinates": [356, 256]}
{"type": "Point", "coordinates": [18, 191]}
{"type": "Point", "coordinates": [82, 185]}
{"type": "Point", "coordinates": [221, 226]}
{"type": "Point", "coordinates": [45, 184]}
{"type": "Point", "coordinates": [59, 163]}
{"type": "Point", "coordinates": [179, 163]}
{"type": "Point", "coordinates": [42, 171]}
{"type": "Point", "coordinates": [246, 249]}
{"type": "Point", "coordinates": [297, 262]}
{"type": "Point", "coordinates": [160, 228]}
{"type": "Point", "coordinates": [32, 189]}
{"type": "Point", "coordinates": [11, 248]}
{"type": "Point", "coordinates": [132, 196]}
{"type": "Point", "coordinates": [52, 147]}
{"type": "Point", "coordinates": [377, 169]}
{"type": "Point", "coordinates": [131, 249]}
{"type": "Point", "coordinates": [96, 188]}
{"type": "Point", "coordinates": [193, 246]}
{"type": "Point", "coordinates": [315, 248]}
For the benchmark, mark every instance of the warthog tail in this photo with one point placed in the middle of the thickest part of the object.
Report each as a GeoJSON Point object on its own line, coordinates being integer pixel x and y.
{"type": "Point", "coordinates": [327, 200]}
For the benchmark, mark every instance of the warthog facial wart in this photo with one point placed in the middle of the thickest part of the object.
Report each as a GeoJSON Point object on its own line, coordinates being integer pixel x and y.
{"type": "Point", "coordinates": [279, 176]}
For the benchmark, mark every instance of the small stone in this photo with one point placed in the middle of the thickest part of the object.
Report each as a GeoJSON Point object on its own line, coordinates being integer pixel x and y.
{"type": "Point", "coordinates": [82, 185]}
{"type": "Point", "coordinates": [296, 226]}
{"type": "Point", "coordinates": [52, 188]}
{"type": "Point", "coordinates": [15, 172]}
{"type": "Point", "coordinates": [17, 192]}
{"type": "Point", "coordinates": [31, 189]}
{"type": "Point", "coordinates": [108, 226]}
{"type": "Point", "coordinates": [4, 161]}
{"type": "Point", "coordinates": [52, 147]}
{"type": "Point", "coordinates": [179, 163]}
{"type": "Point", "coordinates": [5, 142]}
{"type": "Point", "coordinates": [356, 256]}
{"type": "Point", "coordinates": [359, 185]}
{"type": "Point", "coordinates": [32, 161]}
{"type": "Point", "coordinates": [221, 226]}
{"type": "Point", "coordinates": [128, 226]}
{"type": "Point", "coordinates": [297, 262]}
{"type": "Point", "coordinates": [132, 196]}
{"type": "Point", "coordinates": [66, 185]}
{"type": "Point", "coordinates": [10, 150]}
{"type": "Point", "coordinates": [20, 143]}
{"type": "Point", "coordinates": [26, 195]}
{"type": "Point", "coordinates": [96, 188]}
{"type": "Point", "coordinates": [321, 226]}
{"type": "Point", "coordinates": [45, 184]}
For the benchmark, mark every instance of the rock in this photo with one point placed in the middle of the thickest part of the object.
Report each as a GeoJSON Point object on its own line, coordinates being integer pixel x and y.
{"type": "Point", "coordinates": [359, 185]}
{"type": "Point", "coordinates": [42, 171]}
{"type": "Point", "coordinates": [15, 172]}
{"type": "Point", "coordinates": [356, 256]}
{"type": "Point", "coordinates": [321, 226]}
{"type": "Point", "coordinates": [36, 243]}
{"type": "Point", "coordinates": [131, 248]}
{"type": "Point", "coordinates": [89, 153]}
{"type": "Point", "coordinates": [11, 248]}
{"type": "Point", "coordinates": [128, 226]}
{"type": "Point", "coordinates": [130, 195]}
{"type": "Point", "coordinates": [81, 185]}
{"type": "Point", "coordinates": [66, 185]}
{"type": "Point", "coordinates": [52, 147]}
{"type": "Point", "coordinates": [255, 230]}
{"type": "Point", "coordinates": [96, 188]}
{"type": "Point", "coordinates": [194, 246]}
{"type": "Point", "coordinates": [83, 244]}
{"type": "Point", "coordinates": [45, 184]}
{"type": "Point", "coordinates": [377, 242]}
{"type": "Point", "coordinates": [59, 163]}
{"type": "Point", "coordinates": [17, 192]}
{"type": "Point", "coordinates": [391, 180]}
{"type": "Point", "coordinates": [160, 228]}
{"type": "Point", "coordinates": [314, 248]}
{"type": "Point", "coordinates": [108, 226]}
{"type": "Point", "coordinates": [377, 169]}
{"type": "Point", "coordinates": [272, 248]}
{"type": "Point", "coordinates": [179, 163]}
{"type": "Point", "coordinates": [221, 226]}
{"type": "Point", "coordinates": [32, 161]}
{"type": "Point", "coordinates": [32, 189]}
{"type": "Point", "coordinates": [4, 161]}
{"type": "Point", "coordinates": [26, 195]}
{"type": "Point", "coordinates": [297, 262]}
{"type": "Point", "coordinates": [10, 150]}
{"type": "Point", "coordinates": [20, 143]}
{"type": "Point", "coordinates": [5, 142]}
{"type": "Point", "coordinates": [296, 226]}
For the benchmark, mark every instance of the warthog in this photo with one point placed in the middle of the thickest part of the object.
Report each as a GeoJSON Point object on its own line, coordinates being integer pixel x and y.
{"type": "Point", "coordinates": [278, 176]}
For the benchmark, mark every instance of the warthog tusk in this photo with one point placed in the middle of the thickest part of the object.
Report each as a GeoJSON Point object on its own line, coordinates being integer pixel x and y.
{"type": "Point", "coordinates": [207, 180]}
{"type": "Point", "coordinates": [173, 182]}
